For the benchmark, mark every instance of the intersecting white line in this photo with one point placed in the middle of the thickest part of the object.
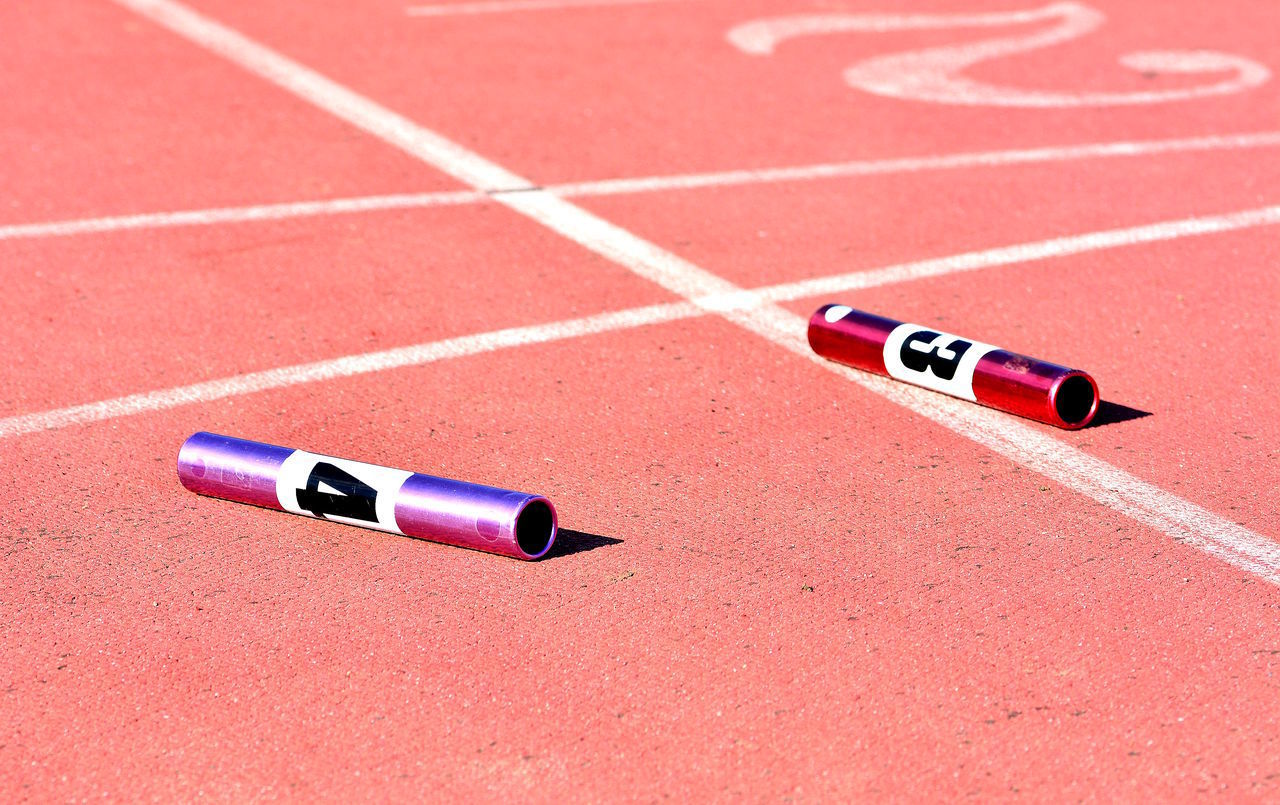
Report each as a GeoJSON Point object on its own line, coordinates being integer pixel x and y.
{"type": "Point", "coordinates": [649, 184]}
{"type": "Point", "coordinates": [226, 215]}
{"type": "Point", "coordinates": [723, 302]}
{"type": "Point", "coordinates": [501, 6]}
{"type": "Point", "coordinates": [335, 368]}
{"type": "Point", "coordinates": [1024, 444]}
{"type": "Point", "coordinates": [1025, 253]}
{"type": "Point", "coordinates": [876, 167]}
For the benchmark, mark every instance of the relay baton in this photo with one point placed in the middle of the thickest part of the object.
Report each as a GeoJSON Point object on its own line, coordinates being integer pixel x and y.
{"type": "Point", "coordinates": [961, 367]}
{"type": "Point", "coordinates": [469, 515]}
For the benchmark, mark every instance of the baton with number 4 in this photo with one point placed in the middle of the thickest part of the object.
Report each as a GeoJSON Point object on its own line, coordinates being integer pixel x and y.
{"type": "Point", "coordinates": [961, 367]}
{"type": "Point", "coordinates": [499, 521]}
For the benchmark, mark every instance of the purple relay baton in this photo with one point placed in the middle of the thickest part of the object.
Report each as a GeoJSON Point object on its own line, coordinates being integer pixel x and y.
{"type": "Point", "coordinates": [513, 524]}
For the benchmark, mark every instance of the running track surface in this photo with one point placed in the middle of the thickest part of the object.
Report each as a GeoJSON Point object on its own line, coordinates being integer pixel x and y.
{"type": "Point", "coordinates": [775, 580]}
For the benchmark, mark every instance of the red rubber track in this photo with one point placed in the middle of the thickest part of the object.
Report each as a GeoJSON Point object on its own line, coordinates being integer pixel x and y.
{"type": "Point", "coordinates": [106, 114]}
{"type": "Point", "coordinates": [772, 583]}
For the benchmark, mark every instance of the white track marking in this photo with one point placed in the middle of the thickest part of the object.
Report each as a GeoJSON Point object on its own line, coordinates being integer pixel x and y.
{"type": "Point", "coordinates": [762, 37]}
{"type": "Point", "coordinates": [1023, 253]}
{"type": "Point", "coordinates": [835, 170]}
{"type": "Point", "coordinates": [1018, 442]}
{"type": "Point", "coordinates": [224, 215]}
{"type": "Point", "coordinates": [727, 298]}
{"type": "Point", "coordinates": [649, 184]}
{"type": "Point", "coordinates": [617, 244]}
{"type": "Point", "coordinates": [934, 74]}
{"type": "Point", "coordinates": [518, 5]}
{"type": "Point", "coordinates": [342, 367]}
{"type": "Point", "coordinates": [733, 299]}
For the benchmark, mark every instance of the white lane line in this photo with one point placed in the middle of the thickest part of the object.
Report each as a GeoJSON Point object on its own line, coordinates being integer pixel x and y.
{"type": "Point", "coordinates": [502, 6]}
{"type": "Point", "coordinates": [834, 170]}
{"type": "Point", "coordinates": [722, 301]}
{"type": "Point", "coordinates": [639, 256]}
{"type": "Point", "coordinates": [1021, 443]}
{"type": "Point", "coordinates": [1024, 253]}
{"type": "Point", "coordinates": [223, 215]}
{"type": "Point", "coordinates": [726, 298]}
{"type": "Point", "coordinates": [648, 184]}
{"type": "Point", "coordinates": [347, 366]}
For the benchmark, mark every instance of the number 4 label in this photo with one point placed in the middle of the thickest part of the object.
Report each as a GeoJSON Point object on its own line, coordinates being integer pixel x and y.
{"type": "Point", "coordinates": [350, 492]}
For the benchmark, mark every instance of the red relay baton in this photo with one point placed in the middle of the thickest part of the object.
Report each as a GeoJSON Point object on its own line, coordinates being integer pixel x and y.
{"type": "Point", "coordinates": [960, 367]}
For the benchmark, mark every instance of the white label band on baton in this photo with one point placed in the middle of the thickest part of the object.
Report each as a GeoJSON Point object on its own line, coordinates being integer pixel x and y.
{"type": "Point", "coordinates": [936, 360]}
{"type": "Point", "coordinates": [350, 492]}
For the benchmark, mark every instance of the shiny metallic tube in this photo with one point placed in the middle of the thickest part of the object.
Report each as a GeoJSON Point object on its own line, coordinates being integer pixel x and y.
{"type": "Point", "coordinates": [961, 367]}
{"type": "Point", "coordinates": [469, 515]}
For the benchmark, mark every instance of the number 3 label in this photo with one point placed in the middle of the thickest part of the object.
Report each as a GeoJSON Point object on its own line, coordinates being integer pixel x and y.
{"type": "Point", "coordinates": [938, 361]}
{"type": "Point", "coordinates": [344, 491]}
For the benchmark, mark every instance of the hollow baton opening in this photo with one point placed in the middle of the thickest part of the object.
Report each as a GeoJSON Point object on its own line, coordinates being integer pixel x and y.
{"type": "Point", "coordinates": [1075, 400]}
{"type": "Point", "coordinates": [536, 527]}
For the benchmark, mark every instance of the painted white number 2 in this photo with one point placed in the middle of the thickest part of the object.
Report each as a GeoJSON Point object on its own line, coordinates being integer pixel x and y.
{"type": "Point", "coordinates": [934, 74]}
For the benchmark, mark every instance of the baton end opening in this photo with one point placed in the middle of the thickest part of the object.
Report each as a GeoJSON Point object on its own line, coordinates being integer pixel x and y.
{"type": "Point", "coordinates": [536, 528]}
{"type": "Point", "coordinates": [1075, 400]}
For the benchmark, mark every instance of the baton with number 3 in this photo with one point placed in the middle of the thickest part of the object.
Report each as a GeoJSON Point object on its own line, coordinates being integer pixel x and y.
{"type": "Point", "coordinates": [961, 367]}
